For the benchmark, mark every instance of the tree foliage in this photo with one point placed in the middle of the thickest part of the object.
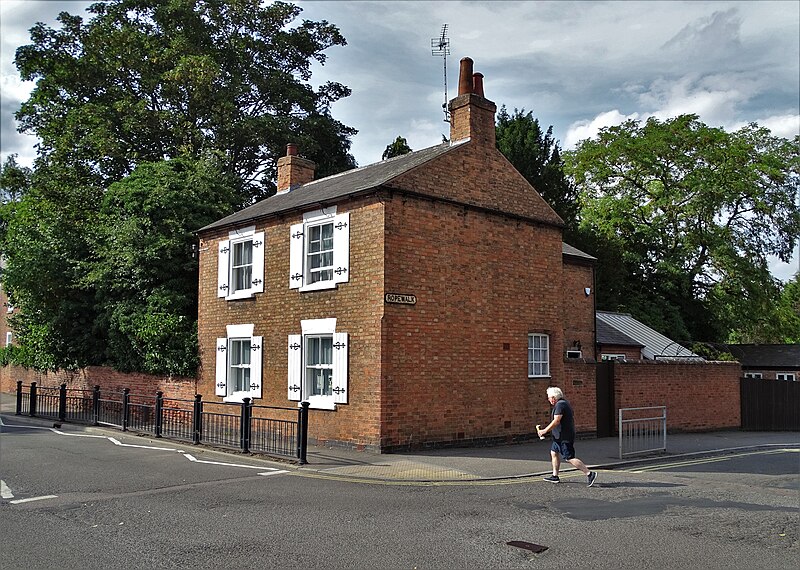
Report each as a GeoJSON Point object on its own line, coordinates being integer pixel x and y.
{"type": "Point", "coordinates": [145, 80]}
{"type": "Point", "coordinates": [693, 212]}
{"type": "Point", "coordinates": [139, 110]}
{"type": "Point", "coordinates": [537, 156]}
{"type": "Point", "coordinates": [397, 148]}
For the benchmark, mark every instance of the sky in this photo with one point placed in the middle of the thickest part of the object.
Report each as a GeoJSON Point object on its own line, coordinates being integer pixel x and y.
{"type": "Point", "coordinates": [578, 66]}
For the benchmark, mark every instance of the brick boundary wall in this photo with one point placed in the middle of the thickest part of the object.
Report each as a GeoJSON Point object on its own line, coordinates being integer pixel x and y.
{"type": "Point", "coordinates": [108, 379]}
{"type": "Point", "coordinates": [699, 396]}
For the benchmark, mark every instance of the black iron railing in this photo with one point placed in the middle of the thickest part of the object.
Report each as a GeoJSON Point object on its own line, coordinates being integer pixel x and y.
{"type": "Point", "coordinates": [242, 426]}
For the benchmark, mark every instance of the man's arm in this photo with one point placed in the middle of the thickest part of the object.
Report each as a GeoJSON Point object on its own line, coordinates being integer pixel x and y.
{"type": "Point", "coordinates": [556, 421]}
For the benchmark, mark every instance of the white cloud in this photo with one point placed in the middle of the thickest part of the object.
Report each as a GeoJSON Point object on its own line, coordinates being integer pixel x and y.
{"type": "Point", "coordinates": [581, 130]}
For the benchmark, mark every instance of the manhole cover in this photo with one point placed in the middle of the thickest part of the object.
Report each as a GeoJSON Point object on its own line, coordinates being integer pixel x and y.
{"type": "Point", "coordinates": [537, 548]}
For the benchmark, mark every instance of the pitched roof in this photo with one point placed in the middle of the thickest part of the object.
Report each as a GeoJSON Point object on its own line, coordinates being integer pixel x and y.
{"type": "Point", "coordinates": [654, 344]}
{"type": "Point", "coordinates": [348, 183]}
{"type": "Point", "coordinates": [575, 253]}
{"type": "Point", "coordinates": [606, 334]}
{"type": "Point", "coordinates": [767, 355]}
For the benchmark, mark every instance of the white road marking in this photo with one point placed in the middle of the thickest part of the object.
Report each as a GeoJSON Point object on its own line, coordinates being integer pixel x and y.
{"type": "Point", "coordinates": [270, 470]}
{"type": "Point", "coordinates": [30, 499]}
{"type": "Point", "coordinates": [5, 492]}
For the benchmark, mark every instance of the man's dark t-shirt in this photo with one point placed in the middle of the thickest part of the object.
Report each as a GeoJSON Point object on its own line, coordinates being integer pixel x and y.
{"type": "Point", "coordinates": [565, 431]}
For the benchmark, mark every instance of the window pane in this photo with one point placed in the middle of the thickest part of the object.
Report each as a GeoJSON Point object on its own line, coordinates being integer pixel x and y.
{"type": "Point", "coordinates": [242, 266]}
{"type": "Point", "coordinates": [538, 355]}
{"type": "Point", "coordinates": [320, 253]}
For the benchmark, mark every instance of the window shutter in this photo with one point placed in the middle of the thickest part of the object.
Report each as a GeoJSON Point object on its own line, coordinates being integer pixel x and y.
{"type": "Point", "coordinates": [223, 268]}
{"type": "Point", "coordinates": [341, 248]}
{"type": "Point", "coordinates": [296, 241]}
{"type": "Point", "coordinates": [295, 366]}
{"type": "Point", "coordinates": [259, 251]}
{"type": "Point", "coordinates": [221, 383]}
{"type": "Point", "coordinates": [255, 366]}
{"type": "Point", "coordinates": [340, 368]}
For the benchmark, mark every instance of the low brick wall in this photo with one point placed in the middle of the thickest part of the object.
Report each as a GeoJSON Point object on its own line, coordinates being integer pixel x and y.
{"type": "Point", "coordinates": [108, 379]}
{"type": "Point", "coordinates": [699, 396]}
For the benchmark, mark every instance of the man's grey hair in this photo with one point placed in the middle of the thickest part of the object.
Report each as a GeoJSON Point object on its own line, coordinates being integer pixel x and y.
{"type": "Point", "coordinates": [554, 392]}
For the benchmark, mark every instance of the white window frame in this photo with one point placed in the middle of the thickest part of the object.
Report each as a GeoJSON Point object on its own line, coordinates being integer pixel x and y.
{"type": "Point", "coordinates": [9, 337]}
{"type": "Point", "coordinates": [225, 260]}
{"type": "Point", "coordinates": [299, 383]}
{"type": "Point", "coordinates": [533, 351]}
{"type": "Point", "coordinates": [756, 375]}
{"type": "Point", "coordinates": [223, 384]}
{"type": "Point", "coordinates": [300, 255]}
{"type": "Point", "coordinates": [620, 357]}
{"type": "Point", "coordinates": [787, 376]}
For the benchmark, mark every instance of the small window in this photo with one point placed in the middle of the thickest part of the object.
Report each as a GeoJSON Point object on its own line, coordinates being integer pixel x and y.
{"type": "Point", "coordinates": [319, 365]}
{"type": "Point", "coordinates": [620, 357]}
{"type": "Point", "coordinates": [9, 337]}
{"type": "Point", "coordinates": [574, 354]}
{"type": "Point", "coordinates": [752, 375]}
{"type": "Point", "coordinates": [241, 264]}
{"type": "Point", "coordinates": [319, 250]}
{"type": "Point", "coordinates": [538, 355]}
{"type": "Point", "coordinates": [785, 376]}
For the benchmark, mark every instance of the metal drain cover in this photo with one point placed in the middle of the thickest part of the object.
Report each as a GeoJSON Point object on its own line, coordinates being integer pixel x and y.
{"type": "Point", "coordinates": [537, 548]}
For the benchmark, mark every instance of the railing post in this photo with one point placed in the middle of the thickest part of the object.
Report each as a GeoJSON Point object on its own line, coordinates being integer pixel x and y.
{"type": "Point", "coordinates": [96, 405]}
{"type": "Point", "coordinates": [126, 400]}
{"type": "Point", "coordinates": [197, 418]}
{"type": "Point", "coordinates": [159, 412]}
{"type": "Point", "coordinates": [19, 398]}
{"type": "Point", "coordinates": [33, 399]}
{"type": "Point", "coordinates": [247, 413]}
{"type": "Point", "coordinates": [62, 403]}
{"type": "Point", "coordinates": [302, 443]}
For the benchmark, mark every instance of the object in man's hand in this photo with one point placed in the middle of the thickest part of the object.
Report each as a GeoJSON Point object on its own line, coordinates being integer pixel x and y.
{"type": "Point", "coordinates": [538, 427]}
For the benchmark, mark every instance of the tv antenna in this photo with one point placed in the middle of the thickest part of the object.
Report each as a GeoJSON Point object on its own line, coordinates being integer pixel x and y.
{"type": "Point", "coordinates": [441, 46]}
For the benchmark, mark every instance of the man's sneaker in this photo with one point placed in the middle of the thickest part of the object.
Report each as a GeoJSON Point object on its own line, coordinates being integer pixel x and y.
{"type": "Point", "coordinates": [552, 479]}
{"type": "Point", "coordinates": [592, 477]}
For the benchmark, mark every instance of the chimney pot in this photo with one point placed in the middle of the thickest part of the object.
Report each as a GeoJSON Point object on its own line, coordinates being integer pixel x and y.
{"type": "Point", "coordinates": [291, 149]}
{"type": "Point", "coordinates": [465, 76]}
{"type": "Point", "coordinates": [477, 84]}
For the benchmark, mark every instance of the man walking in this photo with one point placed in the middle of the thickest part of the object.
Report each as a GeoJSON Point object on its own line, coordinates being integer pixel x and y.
{"type": "Point", "coordinates": [562, 428]}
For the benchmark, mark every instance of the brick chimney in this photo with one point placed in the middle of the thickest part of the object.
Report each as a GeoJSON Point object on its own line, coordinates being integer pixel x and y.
{"type": "Point", "coordinates": [471, 114]}
{"type": "Point", "coordinates": [293, 171]}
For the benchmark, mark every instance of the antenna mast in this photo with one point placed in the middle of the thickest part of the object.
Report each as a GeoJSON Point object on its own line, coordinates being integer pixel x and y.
{"type": "Point", "coordinates": [441, 46]}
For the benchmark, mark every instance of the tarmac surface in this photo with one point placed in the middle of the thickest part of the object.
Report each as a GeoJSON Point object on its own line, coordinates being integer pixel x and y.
{"type": "Point", "coordinates": [513, 461]}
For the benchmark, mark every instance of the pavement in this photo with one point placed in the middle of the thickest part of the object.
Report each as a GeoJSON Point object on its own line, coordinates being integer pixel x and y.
{"type": "Point", "coordinates": [504, 462]}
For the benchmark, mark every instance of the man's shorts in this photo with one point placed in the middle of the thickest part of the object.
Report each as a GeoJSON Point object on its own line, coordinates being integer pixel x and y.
{"type": "Point", "coordinates": [565, 448]}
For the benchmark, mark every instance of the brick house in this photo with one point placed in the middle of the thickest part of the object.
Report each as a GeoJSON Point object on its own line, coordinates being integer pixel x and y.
{"type": "Point", "coordinates": [427, 299]}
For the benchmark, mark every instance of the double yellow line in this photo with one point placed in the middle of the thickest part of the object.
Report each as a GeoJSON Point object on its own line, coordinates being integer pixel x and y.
{"type": "Point", "coordinates": [703, 460]}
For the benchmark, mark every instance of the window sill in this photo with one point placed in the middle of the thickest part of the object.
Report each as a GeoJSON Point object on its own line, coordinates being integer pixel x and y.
{"type": "Point", "coordinates": [318, 286]}
{"type": "Point", "coordinates": [243, 294]}
{"type": "Point", "coordinates": [320, 404]}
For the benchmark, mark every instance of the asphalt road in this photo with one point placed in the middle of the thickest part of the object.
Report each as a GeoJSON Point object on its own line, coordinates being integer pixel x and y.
{"type": "Point", "coordinates": [117, 501]}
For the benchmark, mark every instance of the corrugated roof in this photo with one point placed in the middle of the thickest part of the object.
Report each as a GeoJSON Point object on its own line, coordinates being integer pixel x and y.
{"type": "Point", "coordinates": [606, 334]}
{"type": "Point", "coordinates": [767, 355]}
{"type": "Point", "coordinates": [337, 186]}
{"type": "Point", "coordinates": [654, 344]}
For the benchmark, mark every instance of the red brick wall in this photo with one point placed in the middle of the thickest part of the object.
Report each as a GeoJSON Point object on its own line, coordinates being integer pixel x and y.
{"type": "Point", "coordinates": [108, 379]}
{"type": "Point", "coordinates": [578, 315]}
{"type": "Point", "coordinates": [699, 396]}
{"type": "Point", "coordinates": [455, 364]}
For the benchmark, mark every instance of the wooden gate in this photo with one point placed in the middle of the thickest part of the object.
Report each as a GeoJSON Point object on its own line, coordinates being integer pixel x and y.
{"type": "Point", "coordinates": [769, 405]}
{"type": "Point", "coordinates": [606, 416]}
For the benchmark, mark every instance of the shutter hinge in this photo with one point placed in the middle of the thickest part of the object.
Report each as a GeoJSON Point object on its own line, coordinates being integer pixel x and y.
{"type": "Point", "coordinates": [341, 225]}
{"type": "Point", "coordinates": [294, 346]}
{"type": "Point", "coordinates": [224, 250]}
{"type": "Point", "coordinates": [297, 234]}
{"type": "Point", "coordinates": [254, 386]}
{"type": "Point", "coordinates": [221, 384]}
{"type": "Point", "coordinates": [294, 388]}
{"type": "Point", "coordinates": [296, 277]}
{"type": "Point", "coordinates": [255, 347]}
{"type": "Point", "coordinates": [339, 345]}
{"type": "Point", "coordinates": [340, 270]}
{"type": "Point", "coordinates": [338, 390]}
{"type": "Point", "coordinates": [223, 287]}
{"type": "Point", "coordinates": [222, 348]}
{"type": "Point", "coordinates": [257, 243]}
{"type": "Point", "coordinates": [256, 282]}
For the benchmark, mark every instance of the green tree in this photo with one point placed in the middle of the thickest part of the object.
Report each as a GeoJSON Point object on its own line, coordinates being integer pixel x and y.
{"type": "Point", "coordinates": [396, 148]}
{"type": "Point", "coordinates": [781, 325]}
{"type": "Point", "coordinates": [537, 156]}
{"type": "Point", "coordinates": [145, 80]}
{"type": "Point", "coordinates": [695, 212]}
{"type": "Point", "coordinates": [14, 180]}
{"type": "Point", "coordinates": [143, 271]}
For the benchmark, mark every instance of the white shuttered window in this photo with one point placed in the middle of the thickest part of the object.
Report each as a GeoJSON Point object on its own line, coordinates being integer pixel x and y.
{"type": "Point", "coordinates": [239, 364]}
{"type": "Point", "coordinates": [240, 264]}
{"type": "Point", "coordinates": [318, 361]}
{"type": "Point", "coordinates": [319, 250]}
